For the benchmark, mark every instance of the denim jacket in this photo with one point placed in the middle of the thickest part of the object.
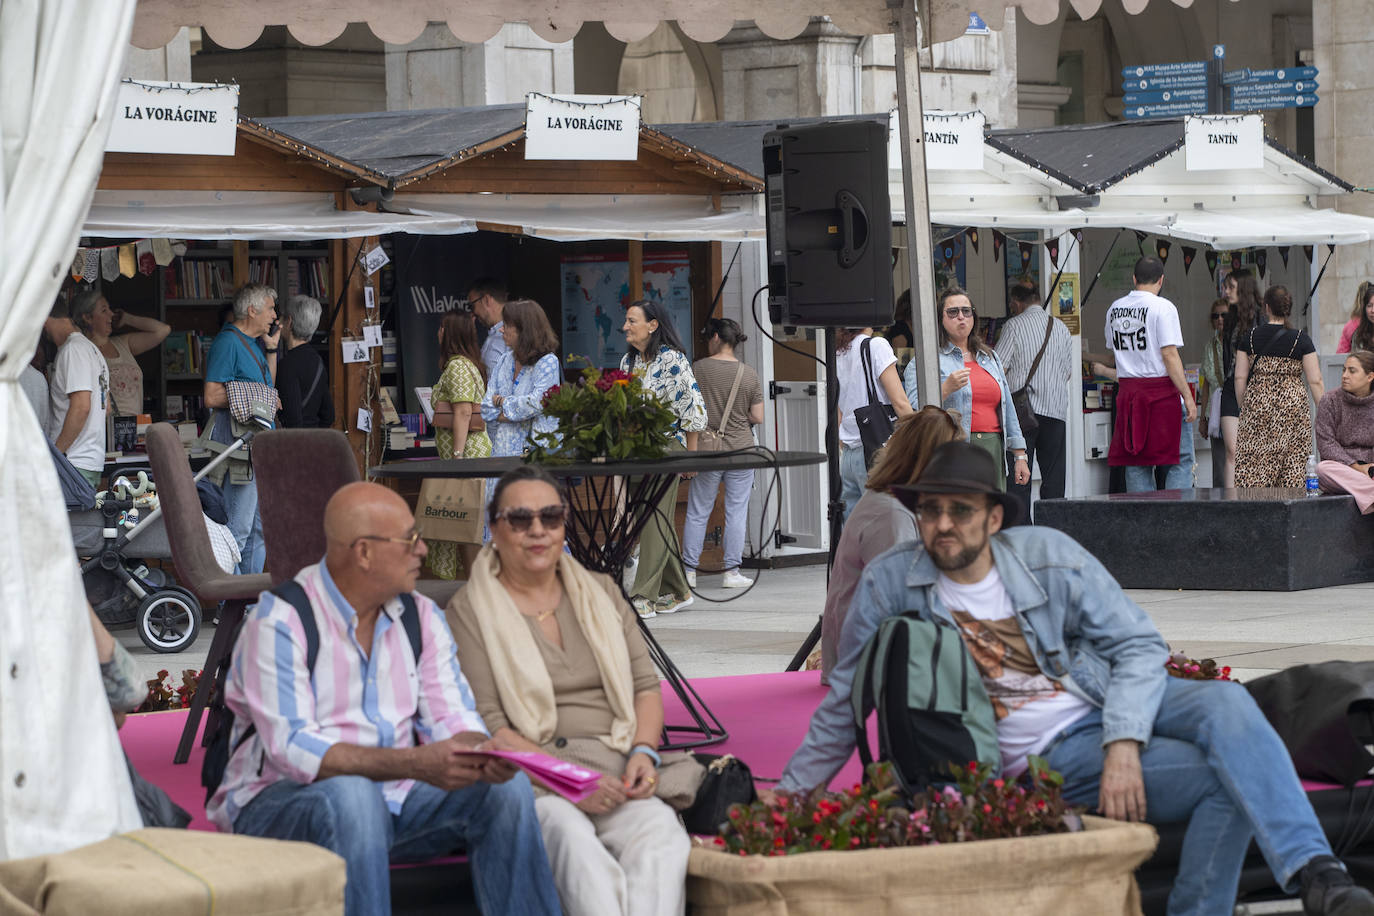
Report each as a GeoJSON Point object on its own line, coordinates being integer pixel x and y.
{"type": "Point", "coordinates": [1081, 628]}
{"type": "Point", "coordinates": [951, 360]}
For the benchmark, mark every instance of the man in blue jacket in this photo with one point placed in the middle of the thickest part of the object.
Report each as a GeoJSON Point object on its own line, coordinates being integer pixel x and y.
{"type": "Point", "coordinates": [1075, 671]}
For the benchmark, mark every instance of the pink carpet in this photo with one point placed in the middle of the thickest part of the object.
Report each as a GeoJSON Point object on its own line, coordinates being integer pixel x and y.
{"type": "Point", "coordinates": [765, 714]}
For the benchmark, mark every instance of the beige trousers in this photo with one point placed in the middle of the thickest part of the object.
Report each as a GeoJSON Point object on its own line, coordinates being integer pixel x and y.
{"type": "Point", "coordinates": [630, 862]}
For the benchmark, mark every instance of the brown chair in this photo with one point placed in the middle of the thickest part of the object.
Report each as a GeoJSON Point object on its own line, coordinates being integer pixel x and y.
{"type": "Point", "coordinates": [197, 568]}
{"type": "Point", "coordinates": [297, 471]}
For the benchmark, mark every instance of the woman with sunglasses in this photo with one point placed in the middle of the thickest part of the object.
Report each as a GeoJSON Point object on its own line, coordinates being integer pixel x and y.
{"type": "Point", "coordinates": [1211, 377]}
{"type": "Point", "coordinates": [973, 383]}
{"type": "Point", "coordinates": [557, 665]}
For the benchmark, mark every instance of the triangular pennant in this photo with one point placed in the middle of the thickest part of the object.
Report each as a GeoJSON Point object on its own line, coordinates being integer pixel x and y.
{"type": "Point", "coordinates": [1078, 235]}
{"type": "Point", "coordinates": [998, 240]}
{"type": "Point", "coordinates": [948, 252]}
{"type": "Point", "coordinates": [1330, 249]}
{"type": "Point", "coordinates": [79, 264]}
{"type": "Point", "coordinates": [109, 264]}
{"type": "Point", "coordinates": [1162, 250]}
{"type": "Point", "coordinates": [127, 265]}
{"type": "Point", "coordinates": [1210, 257]}
{"type": "Point", "coordinates": [1189, 254]}
{"type": "Point", "coordinates": [1261, 261]}
{"type": "Point", "coordinates": [1052, 246]}
{"type": "Point", "coordinates": [1025, 254]}
{"type": "Point", "coordinates": [1237, 259]}
{"type": "Point", "coordinates": [1140, 238]}
{"type": "Point", "coordinates": [91, 272]}
{"type": "Point", "coordinates": [972, 236]}
{"type": "Point", "coordinates": [162, 252]}
{"type": "Point", "coordinates": [1307, 253]}
{"type": "Point", "coordinates": [1283, 253]}
{"type": "Point", "coordinates": [143, 249]}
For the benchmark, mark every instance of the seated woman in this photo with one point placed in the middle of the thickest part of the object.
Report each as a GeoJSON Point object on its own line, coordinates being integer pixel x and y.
{"type": "Point", "coordinates": [1345, 433]}
{"type": "Point", "coordinates": [557, 664]}
{"type": "Point", "coordinates": [879, 521]}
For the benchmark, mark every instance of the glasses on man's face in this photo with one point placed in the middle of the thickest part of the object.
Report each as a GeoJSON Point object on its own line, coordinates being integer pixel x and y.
{"type": "Point", "coordinates": [959, 311]}
{"type": "Point", "coordinates": [957, 512]}
{"type": "Point", "coordinates": [410, 540]}
{"type": "Point", "coordinates": [519, 518]}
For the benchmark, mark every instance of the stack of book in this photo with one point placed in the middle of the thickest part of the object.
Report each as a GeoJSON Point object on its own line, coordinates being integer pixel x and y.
{"type": "Point", "coordinates": [184, 354]}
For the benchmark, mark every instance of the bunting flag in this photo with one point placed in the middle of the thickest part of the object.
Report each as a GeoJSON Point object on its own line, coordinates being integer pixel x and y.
{"type": "Point", "coordinates": [91, 272]}
{"type": "Point", "coordinates": [109, 264]}
{"type": "Point", "coordinates": [127, 265]}
{"type": "Point", "coordinates": [948, 252]}
{"type": "Point", "coordinates": [1162, 250]}
{"type": "Point", "coordinates": [1189, 254]}
{"type": "Point", "coordinates": [1078, 235]}
{"type": "Point", "coordinates": [143, 250]}
{"type": "Point", "coordinates": [972, 236]}
{"type": "Point", "coordinates": [1140, 238]}
{"type": "Point", "coordinates": [1307, 253]}
{"type": "Point", "coordinates": [1330, 249]}
{"type": "Point", "coordinates": [79, 264]}
{"type": "Point", "coordinates": [1211, 257]}
{"type": "Point", "coordinates": [162, 252]}
{"type": "Point", "coordinates": [1237, 259]}
{"type": "Point", "coordinates": [998, 240]}
{"type": "Point", "coordinates": [1026, 252]}
{"type": "Point", "coordinates": [1283, 253]}
{"type": "Point", "coordinates": [1052, 246]}
{"type": "Point", "coordinates": [1261, 261]}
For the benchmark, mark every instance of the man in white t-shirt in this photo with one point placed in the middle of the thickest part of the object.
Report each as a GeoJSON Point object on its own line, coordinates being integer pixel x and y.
{"type": "Point", "coordinates": [1075, 670]}
{"type": "Point", "coordinates": [1152, 430]}
{"type": "Point", "coordinates": [80, 384]}
{"type": "Point", "coordinates": [849, 372]}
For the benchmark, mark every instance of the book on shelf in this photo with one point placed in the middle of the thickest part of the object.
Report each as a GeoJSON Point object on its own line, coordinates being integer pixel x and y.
{"type": "Point", "coordinates": [262, 270]}
{"type": "Point", "coordinates": [307, 276]}
{"type": "Point", "coordinates": [174, 407]}
{"type": "Point", "coordinates": [198, 279]}
{"type": "Point", "coordinates": [176, 353]}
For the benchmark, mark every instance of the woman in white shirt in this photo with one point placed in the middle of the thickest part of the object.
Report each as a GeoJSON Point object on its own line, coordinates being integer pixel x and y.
{"type": "Point", "coordinates": [849, 372]}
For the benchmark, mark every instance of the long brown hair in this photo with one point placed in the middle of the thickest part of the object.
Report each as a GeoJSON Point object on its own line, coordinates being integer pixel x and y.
{"type": "Point", "coordinates": [459, 330]}
{"type": "Point", "coordinates": [913, 439]}
{"type": "Point", "coordinates": [534, 336]}
{"type": "Point", "coordinates": [975, 339]}
{"type": "Point", "coordinates": [1363, 338]}
{"type": "Point", "coordinates": [1361, 298]}
{"type": "Point", "coordinates": [1247, 310]}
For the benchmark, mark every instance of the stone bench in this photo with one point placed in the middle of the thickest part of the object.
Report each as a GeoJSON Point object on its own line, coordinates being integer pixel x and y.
{"type": "Point", "coordinates": [1241, 539]}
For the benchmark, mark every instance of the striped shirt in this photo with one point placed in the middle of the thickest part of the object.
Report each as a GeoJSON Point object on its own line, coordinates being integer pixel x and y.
{"type": "Point", "coordinates": [1017, 345]}
{"type": "Point", "coordinates": [383, 698]}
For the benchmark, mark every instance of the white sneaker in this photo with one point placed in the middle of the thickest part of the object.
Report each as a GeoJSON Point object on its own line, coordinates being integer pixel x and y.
{"type": "Point", "coordinates": [631, 570]}
{"type": "Point", "coordinates": [671, 604]}
{"type": "Point", "coordinates": [691, 578]}
{"type": "Point", "coordinates": [645, 608]}
{"type": "Point", "coordinates": [734, 579]}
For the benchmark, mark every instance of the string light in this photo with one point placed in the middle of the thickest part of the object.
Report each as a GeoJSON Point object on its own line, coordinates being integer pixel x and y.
{"type": "Point", "coordinates": [188, 88]}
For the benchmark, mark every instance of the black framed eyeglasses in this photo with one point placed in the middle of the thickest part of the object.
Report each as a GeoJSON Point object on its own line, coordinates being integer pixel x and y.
{"type": "Point", "coordinates": [520, 518]}
{"type": "Point", "coordinates": [957, 311]}
{"type": "Point", "coordinates": [957, 512]}
{"type": "Point", "coordinates": [410, 540]}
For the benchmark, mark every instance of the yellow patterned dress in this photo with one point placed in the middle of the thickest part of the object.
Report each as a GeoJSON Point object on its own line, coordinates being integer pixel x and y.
{"type": "Point", "coordinates": [461, 383]}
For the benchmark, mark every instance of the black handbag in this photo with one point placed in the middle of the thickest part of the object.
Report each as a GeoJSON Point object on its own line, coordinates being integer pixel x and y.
{"type": "Point", "coordinates": [728, 781]}
{"type": "Point", "coordinates": [876, 419]}
{"type": "Point", "coordinates": [1325, 716]}
{"type": "Point", "coordinates": [1020, 398]}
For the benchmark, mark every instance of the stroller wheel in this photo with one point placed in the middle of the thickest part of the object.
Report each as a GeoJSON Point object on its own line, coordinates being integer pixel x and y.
{"type": "Point", "coordinates": [169, 620]}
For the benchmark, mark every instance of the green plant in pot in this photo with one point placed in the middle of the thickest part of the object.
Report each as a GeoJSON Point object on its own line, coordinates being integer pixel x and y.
{"type": "Point", "coordinates": [606, 415]}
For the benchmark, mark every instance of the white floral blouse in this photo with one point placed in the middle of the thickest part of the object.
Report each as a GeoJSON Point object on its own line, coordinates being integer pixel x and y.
{"type": "Point", "coordinates": [670, 377]}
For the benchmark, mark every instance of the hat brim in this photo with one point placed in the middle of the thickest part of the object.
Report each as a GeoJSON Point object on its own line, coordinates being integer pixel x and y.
{"type": "Point", "coordinates": [909, 495]}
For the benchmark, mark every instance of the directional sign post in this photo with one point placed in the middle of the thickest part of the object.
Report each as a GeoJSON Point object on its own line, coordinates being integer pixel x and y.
{"type": "Point", "coordinates": [1273, 102]}
{"type": "Point", "coordinates": [1173, 90]}
{"type": "Point", "coordinates": [1270, 90]}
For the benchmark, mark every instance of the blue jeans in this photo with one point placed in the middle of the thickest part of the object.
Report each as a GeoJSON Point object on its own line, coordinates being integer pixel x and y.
{"type": "Point", "coordinates": [241, 505]}
{"type": "Point", "coordinates": [1141, 478]}
{"type": "Point", "coordinates": [701, 498]}
{"type": "Point", "coordinates": [1214, 762]}
{"type": "Point", "coordinates": [347, 815]}
{"type": "Point", "coordinates": [853, 477]}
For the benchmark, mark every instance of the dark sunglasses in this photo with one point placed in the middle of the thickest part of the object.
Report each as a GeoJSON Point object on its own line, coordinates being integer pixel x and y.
{"type": "Point", "coordinates": [519, 518]}
{"type": "Point", "coordinates": [956, 311]}
{"type": "Point", "coordinates": [1216, 315]}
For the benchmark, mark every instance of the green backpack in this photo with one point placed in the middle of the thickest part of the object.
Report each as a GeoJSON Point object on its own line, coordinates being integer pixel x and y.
{"type": "Point", "coordinates": [932, 710]}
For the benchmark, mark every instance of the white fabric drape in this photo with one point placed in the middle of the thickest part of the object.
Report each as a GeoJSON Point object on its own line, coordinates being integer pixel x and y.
{"type": "Point", "coordinates": [63, 781]}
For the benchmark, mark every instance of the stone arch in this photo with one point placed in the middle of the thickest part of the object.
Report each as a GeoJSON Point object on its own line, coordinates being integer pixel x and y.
{"type": "Point", "coordinates": [679, 78]}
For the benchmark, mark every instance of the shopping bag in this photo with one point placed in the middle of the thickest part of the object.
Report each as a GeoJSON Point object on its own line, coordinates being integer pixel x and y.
{"type": "Point", "coordinates": [451, 510]}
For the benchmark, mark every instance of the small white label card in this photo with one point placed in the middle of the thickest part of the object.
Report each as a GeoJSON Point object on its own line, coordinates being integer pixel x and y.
{"type": "Point", "coordinates": [364, 419]}
{"type": "Point", "coordinates": [376, 259]}
{"type": "Point", "coordinates": [354, 350]}
{"type": "Point", "coordinates": [372, 335]}
{"type": "Point", "coordinates": [369, 297]}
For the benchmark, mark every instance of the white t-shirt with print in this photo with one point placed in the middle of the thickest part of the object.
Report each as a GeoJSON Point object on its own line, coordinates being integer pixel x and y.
{"type": "Point", "coordinates": [1031, 708]}
{"type": "Point", "coordinates": [1138, 324]}
{"type": "Point", "coordinates": [853, 390]}
{"type": "Point", "coordinates": [80, 366]}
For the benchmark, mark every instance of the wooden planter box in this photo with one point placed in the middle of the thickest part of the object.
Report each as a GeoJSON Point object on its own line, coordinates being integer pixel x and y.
{"type": "Point", "coordinates": [1064, 874]}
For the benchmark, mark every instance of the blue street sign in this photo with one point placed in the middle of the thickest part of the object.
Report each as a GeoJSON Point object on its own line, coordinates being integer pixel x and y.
{"type": "Point", "coordinates": [1168, 110]}
{"type": "Point", "coordinates": [1153, 83]}
{"type": "Point", "coordinates": [1280, 75]}
{"type": "Point", "coordinates": [1166, 95]}
{"type": "Point", "coordinates": [1219, 51]}
{"type": "Point", "coordinates": [1271, 102]}
{"type": "Point", "coordinates": [1292, 87]}
{"type": "Point", "coordinates": [1179, 69]}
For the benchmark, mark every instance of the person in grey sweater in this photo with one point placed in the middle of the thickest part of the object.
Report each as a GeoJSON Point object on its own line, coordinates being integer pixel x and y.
{"type": "Point", "coordinates": [1345, 433]}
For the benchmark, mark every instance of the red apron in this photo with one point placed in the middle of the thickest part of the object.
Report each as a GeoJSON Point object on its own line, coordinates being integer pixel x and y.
{"type": "Point", "coordinates": [1149, 423]}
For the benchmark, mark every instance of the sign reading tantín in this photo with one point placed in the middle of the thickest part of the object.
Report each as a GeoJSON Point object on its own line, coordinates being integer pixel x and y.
{"type": "Point", "coordinates": [1213, 142]}
{"type": "Point", "coordinates": [953, 140]}
{"type": "Point", "coordinates": [581, 126]}
{"type": "Point", "coordinates": [178, 118]}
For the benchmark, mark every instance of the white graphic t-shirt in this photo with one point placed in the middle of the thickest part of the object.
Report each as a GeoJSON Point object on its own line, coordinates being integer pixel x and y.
{"type": "Point", "coordinates": [1031, 708]}
{"type": "Point", "coordinates": [1138, 324]}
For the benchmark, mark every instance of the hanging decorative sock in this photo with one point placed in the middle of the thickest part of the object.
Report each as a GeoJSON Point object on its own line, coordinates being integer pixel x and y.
{"type": "Point", "coordinates": [972, 236]}
{"type": "Point", "coordinates": [1283, 253]}
{"type": "Point", "coordinates": [127, 266]}
{"type": "Point", "coordinates": [144, 250]}
{"type": "Point", "coordinates": [1211, 258]}
{"type": "Point", "coordinates": [79, 264]}
{"type": "Point", "coordinates": [1162, 250]}
{"type": "Point", "coordinates": [1052, 246]}
{"type": "Point", "coordinates": [109, 263]}
{"type": "Point", "coordinates": [91, 272]}
{"type": "Point", "coordinates": [162, 252]}
{"type": "Point", "coordinates": [1026, 253]}
{"type": "Point", "coordinates": [998, 240]}
{"type": "Point", "coordinates": [1262, 261]}
{"type": "Point", "coordinates": [1188, 255]}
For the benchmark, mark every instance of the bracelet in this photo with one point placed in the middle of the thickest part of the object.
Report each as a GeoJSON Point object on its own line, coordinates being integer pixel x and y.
{"type": "Point", "coordinates": [269, 349]}
{"type": "Point", "coordinates": [647, 752]}
{"type": "Point", "coordinates": [1022, 458]}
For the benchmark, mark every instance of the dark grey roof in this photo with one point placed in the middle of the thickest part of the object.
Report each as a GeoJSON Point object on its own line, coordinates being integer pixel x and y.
{"type": "Point", "coordinates": [740, 143]}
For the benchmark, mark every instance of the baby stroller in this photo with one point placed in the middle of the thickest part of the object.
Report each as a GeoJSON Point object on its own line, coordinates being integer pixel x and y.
{"type": "Point", "coordinates": [123, 590]}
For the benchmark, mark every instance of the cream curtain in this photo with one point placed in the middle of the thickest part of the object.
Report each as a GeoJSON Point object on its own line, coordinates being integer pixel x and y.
{"type": "Point", "coordinates": [63, 781]}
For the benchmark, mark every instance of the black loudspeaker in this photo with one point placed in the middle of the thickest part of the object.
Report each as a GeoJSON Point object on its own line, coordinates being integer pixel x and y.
{"type": "Point", "coordinates": [829, 225]}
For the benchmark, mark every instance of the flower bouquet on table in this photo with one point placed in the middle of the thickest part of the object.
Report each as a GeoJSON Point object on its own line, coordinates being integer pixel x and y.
{"type": "Point", "coordinates": [606, 415]}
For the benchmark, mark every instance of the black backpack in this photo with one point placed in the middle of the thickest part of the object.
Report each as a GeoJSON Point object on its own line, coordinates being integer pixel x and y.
{"type": "Point", "coordinates": [218, 749]}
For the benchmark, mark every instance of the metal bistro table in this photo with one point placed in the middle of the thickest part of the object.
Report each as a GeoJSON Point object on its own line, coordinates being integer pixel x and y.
{"type": "Point", "coordinates": [608, 506]}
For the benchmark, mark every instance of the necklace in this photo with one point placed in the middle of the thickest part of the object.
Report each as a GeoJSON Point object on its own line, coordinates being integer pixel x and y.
{"type": "Point", "coordinates": [540, 618]}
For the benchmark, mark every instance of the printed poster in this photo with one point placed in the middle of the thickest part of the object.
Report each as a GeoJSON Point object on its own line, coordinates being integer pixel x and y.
{"type": "Point", "coordinates": [596, 293]}
{"type": "Point", "coordinates": [1063, 302]}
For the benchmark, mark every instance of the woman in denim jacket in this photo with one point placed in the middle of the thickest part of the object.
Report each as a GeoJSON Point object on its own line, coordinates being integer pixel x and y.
{"type": "Point", "coordinates": [968, 367]}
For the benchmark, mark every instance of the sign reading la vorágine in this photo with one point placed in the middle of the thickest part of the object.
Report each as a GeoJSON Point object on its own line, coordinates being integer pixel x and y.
{"type": "Point", "coordinates": [581, 126]}
{"type": "Point", "coordinates": [953, 140]}
{"type": "Point", "coordinates": [176, 118]}
{"type": "Point", "coordinates": [1213, 142]}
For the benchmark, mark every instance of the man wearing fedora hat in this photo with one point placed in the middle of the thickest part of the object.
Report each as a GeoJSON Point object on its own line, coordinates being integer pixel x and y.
{"type": "Point", "coordinates": [1075, 671]}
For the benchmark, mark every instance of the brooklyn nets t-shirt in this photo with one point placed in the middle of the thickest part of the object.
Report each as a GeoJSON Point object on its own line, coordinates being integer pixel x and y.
{"type": "Point", "coordinates": [1030, 707]}
{"type": "Point", "coordinates": [1138, 324]}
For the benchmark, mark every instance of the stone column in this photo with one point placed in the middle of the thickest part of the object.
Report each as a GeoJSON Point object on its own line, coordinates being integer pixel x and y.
{"type": "Point", "coordinates": [171, 62]}
{"type": "Point", "coordinates": [437, 70]}
{"type": "Point", "coordinates": [808, 76]}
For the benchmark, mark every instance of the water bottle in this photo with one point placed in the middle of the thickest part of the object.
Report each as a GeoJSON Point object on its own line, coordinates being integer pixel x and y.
{"type": "Point", "coordinates": [1313, 485]}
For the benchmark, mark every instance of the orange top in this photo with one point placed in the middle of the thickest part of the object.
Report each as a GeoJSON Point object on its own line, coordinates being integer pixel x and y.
{"type": "Point", "coordinates": [987, 400]}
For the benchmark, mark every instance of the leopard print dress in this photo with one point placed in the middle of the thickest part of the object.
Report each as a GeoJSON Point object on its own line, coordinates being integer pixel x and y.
{"type": "Point", "coordinates": [1275, 435]}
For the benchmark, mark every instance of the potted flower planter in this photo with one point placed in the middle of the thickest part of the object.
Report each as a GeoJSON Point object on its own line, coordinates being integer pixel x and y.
{"type": "Point", "coordinates": [1089, 873]}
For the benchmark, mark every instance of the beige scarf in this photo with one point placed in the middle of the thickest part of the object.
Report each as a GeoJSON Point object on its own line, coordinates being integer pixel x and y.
{"type": "Point", "coordinates": [522, 680]}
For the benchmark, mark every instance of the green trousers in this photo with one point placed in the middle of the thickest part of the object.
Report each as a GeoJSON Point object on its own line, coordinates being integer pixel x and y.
{"type": "Point", "coordinates": [660, 553]}
{"type": "Point", "coordinates": [992, 444]}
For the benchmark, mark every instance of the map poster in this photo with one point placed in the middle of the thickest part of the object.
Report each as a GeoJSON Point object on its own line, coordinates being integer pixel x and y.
{"type": "Point", "coordinates": [596, 292]}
